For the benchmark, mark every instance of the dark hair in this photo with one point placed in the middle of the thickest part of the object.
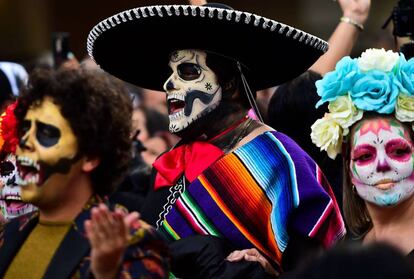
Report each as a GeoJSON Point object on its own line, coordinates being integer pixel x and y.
{"type": "Point", "coordinates": [228, 74]}
{"type": "Point", "coordinates": [99, 112]}
{"type": "Point", "coordinates": [292, 111]}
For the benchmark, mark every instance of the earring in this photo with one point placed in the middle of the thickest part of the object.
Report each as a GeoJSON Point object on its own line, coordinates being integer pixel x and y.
{"type": "Point", "coordinates": [354, 189]}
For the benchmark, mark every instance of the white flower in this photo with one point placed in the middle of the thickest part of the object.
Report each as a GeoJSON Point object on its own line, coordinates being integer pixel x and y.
{"type": "Point", "coordinates": [404, 108]}
{"type": "Point", "coordinates": [327, 135]}
{"type": "Point", "coordinates": [378, 59]}
{"type": "Point", "coordinates": [343, 111]}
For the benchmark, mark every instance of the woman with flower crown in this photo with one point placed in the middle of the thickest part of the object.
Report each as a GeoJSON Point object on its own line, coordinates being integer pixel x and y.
{"type": "Point", "coordinates": [370, 120]}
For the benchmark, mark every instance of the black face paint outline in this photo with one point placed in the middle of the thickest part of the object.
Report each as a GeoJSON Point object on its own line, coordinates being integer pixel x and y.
{"type": "Point", "coordinates": [174, 57]}
{"type": "Point", "coordinates": [190, 97]}
{"type": "Point", "coordinates": [6, 168]}
{"type": "Point", "coordinates": [174, 85]}
{"type": "Point", "coordinates": [62, 166]}
{"type": "Point", "coordinates": [189, 71]}
{"type": "Point", "coordinates": [47, 135]}
{"type": "Point", "coordinates": [198, 62]}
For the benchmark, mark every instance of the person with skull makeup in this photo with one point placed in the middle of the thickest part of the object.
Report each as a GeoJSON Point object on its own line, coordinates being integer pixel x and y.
{"type": "Point", "coordinates": [11, 204]}
{"type": "Point", "coordinates": [235, 198]}
{"type": "Point", "coordinates": [74, 147]}
{"type": "Point", "coordinates": [370, 118]}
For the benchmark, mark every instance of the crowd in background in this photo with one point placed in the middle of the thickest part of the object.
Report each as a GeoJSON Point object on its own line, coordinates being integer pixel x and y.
{"type": "Point", "coordinates": [288, 108]}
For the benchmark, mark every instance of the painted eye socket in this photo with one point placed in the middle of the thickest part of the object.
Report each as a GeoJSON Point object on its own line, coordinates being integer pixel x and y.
{"type": "Point", "coordinates": [6, 168]}
{"type": "Point", "coordinates": [364, 154]}
{"type": "Point", "coordinates": [364, 157]}
{"type": "Point", "coordinates": [400, 151]}
{"type": "Point", "coordinates": [188, 71]}
{"type": "Point", "coordinates": [47, 135]}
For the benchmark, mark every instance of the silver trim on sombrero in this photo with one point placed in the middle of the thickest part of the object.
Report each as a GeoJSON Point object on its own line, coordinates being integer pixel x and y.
{"type": "Point", "coordinates": [202, 11]}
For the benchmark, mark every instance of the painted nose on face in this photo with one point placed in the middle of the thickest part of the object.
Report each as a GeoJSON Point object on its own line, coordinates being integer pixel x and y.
{"type": "Point", "coordinates": [12, 181]}
{"type": "Point", "coordinates": [169, 85]}
{"type": "Point", "coordinates": [382, 165]}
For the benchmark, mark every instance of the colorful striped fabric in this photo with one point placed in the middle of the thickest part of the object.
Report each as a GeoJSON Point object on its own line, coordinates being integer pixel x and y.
{"type": "Point", "coordinates": [253, 196]}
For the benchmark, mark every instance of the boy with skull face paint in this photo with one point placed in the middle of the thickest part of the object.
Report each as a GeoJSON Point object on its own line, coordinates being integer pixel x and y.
{"type": "Point", "coordinates": [235, 198]}
{"type": "Point", "coordinates": [11, 204]}
{"type": "Point", "coordinates": [74, 147]}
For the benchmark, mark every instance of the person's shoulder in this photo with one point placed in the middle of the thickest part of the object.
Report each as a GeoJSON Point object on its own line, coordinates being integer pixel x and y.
{"type": "Point", "coordinates": [287, 144]}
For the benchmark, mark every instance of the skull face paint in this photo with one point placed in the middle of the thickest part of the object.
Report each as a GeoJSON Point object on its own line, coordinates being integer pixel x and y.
{"type": "Point", "coordinates": [382, 161]}
{"type": "Point", "coordinates": [46, 153]}
{"type": "Point", "coordinates": [11, 204]}
{"type": "Point", "coordinates": [192, 89]}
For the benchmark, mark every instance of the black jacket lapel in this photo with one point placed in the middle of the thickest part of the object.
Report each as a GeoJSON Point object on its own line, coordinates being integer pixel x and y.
{"type": "Point", "coordinates": [14, 234]}
{"type": "Point", "coordinates": [70, 253]}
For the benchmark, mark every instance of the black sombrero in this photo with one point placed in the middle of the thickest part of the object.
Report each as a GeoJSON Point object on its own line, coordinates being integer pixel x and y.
{"type": "Point", "coordinates": [135, 45]}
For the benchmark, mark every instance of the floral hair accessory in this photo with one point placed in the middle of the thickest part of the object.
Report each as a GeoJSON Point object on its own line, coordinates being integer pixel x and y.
{"type": "Point", "coordinates": [380, 81]}
{"type": "Point", "coordinates": [8, 130]}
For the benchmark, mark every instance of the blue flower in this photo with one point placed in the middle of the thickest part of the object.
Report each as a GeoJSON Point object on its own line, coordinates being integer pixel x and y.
{"type": "Point", "coordinates": [376, 91]}
{"type": "Point", "coordinates": [338, 82]}
{"type": "Point", "coordinates": [406, 76]}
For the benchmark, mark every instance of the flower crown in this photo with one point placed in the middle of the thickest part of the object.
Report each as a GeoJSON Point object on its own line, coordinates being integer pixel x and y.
{"type": "Point", "coordinates": [8, 130]}
{"type": "Point", "coordinates": [379, 80]}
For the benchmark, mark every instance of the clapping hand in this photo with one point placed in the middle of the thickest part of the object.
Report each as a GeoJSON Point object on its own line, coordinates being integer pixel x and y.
{"type": "Point", "coordinates": [108, 234]}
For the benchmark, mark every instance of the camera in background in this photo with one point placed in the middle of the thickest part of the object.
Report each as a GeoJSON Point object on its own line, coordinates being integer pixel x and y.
{"type": "Point", "coordinates": [402, 17]}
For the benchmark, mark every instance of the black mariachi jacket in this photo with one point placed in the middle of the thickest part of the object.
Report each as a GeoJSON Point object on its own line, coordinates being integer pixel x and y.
{"type": "Point", "coordinates": [146, 257]}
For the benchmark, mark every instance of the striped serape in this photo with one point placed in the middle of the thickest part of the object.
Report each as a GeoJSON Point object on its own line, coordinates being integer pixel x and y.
{"type": "Point", "coordinates": [253, 196]}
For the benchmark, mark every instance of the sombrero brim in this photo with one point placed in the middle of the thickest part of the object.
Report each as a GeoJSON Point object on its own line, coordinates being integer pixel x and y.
{"type": "Point", "coordinates": [135, 45]}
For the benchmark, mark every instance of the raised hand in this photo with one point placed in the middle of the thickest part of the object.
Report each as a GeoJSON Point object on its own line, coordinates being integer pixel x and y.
{"type": "Point", "coordinates": [197, 2]}
{"type": "Point", "coordinates": [357, 10]}
{"type": "Point", "coordinates": [108, 234]}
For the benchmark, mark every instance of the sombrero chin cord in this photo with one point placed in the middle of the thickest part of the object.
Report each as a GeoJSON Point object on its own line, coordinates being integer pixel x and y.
{"type": "Point", "coordinates": [249, 93]}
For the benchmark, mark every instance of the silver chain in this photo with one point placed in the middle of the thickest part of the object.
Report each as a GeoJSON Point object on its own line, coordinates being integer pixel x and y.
{"type": "Point", "coordinates": [175, 192]}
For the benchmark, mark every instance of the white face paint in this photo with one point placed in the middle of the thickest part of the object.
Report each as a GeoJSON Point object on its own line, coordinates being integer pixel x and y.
{"type": "Point", "coordinates": [382, 161]}
{"type": "Point", "coordinates": [11, 204]}
{"type": "Point", "coordinates": [192, 89]}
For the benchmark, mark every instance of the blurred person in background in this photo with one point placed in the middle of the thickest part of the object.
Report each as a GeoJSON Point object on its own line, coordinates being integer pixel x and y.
{"type": "Point", "coordinates": [153, 132]}
{"type": "Point", "coordinates": [12, 77]}
{"type": "Point", "coordinates": [11, 203]}
{"type": "Point", "coordinates": [154, 99]}
{"type": "Point", "coordinates": [295, 101]}
{"type": "Point", "coordinates": [379, 261]}
{"type": "Point", "coordinates": [354, 16]}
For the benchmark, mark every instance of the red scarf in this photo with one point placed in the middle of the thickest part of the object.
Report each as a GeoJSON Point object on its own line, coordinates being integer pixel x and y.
{"type": "Point", "coordinates": [188, 159]}
{"type": "Point", "coordinates": [191, 159]}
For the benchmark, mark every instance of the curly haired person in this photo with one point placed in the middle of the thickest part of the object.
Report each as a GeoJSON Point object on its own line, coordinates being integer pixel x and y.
{"type": "Point", "coordinates": [73, 149]}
